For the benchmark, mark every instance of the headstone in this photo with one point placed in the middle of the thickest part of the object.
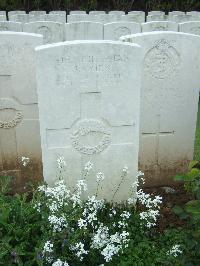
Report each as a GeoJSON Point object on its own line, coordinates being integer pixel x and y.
{"type": "Point", "coordinates": [22, 18]}
{"type": "Point", "coordinates": [158, 17]}
{"type": "Point", "coordinates": [172, 13]}
{"type": "Point", "coordinates": [77, 17]}
{"type": "Point", "coordinates": [10, 26]}
{"type": "Point", "coordinates": [2, 12]}
{"type": "Point", "coordinates": [113, 31]}
{"type": "Point", "coordinates": [15, 12]}
{"type": "Point", "coordinates": [192, 27]}
{"type": "Point", "coordinates": [180, 18]}
{"type": "Point", "coordinates": [138, 18]}
{"type": "Point", "coordinates": [169, 103]}
{"type": "Point", "coordinates": [159, 26]}
{"type": "Point", "coordinates": [156, 12]}
{"type": "Point", "coordinates": [36, 17]}
{"type": "Point", "coordinates": [88, 116]}
{"type": "Point", "coordinates": [194, 15]}
{"type": "Point", "coordinates": [55, 18]}
{"type": "Point", "coordinates": [3, 18]}
{"type": "Point", "coordinates": [51, 31]}
{"type": "Point", "coordinates": [77, 12]}
{"type": "Point", "coordinates": [116, 12]}
{"type": "Point", "coordinates": [58, 12]}
{"type": "Point", "coordinates": [107, 18]}
{"type": "Point", "coordinates": [96, 12]}
{"type": "Point", "coordinates": [19, 125]}
{"type": "Point", "coordinates": [83, 31]}
{"type": "Point", "coordinates": [37, 12]}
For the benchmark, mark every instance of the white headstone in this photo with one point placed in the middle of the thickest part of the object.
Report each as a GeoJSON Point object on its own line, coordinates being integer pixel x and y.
{"type": "Point", "coordinates": [88, 116]}
{"type": "Point", "coordinates": [116, 12]}
{"type": "Point", "coordinates": [96, 12]}
{"type": "Point", "coordinates": [51, 31]}
{"type": "Point", "coordinates": [19, 125]}
{"type": "Point", "coordinates": [138, 18]}
{"type": "Point", "coordinates": [37, 12]}
{"type": "Point", "coordinates": [83, 31]}
{"type": "Point", "coordinates": [113, 31]}
{"type": "Point", "coordinates": [3, 18]}
{"type": "Point", "coordinates": [58, 12]}
{"type": "Point", "coordinates": [23, 18]}
{"type": "Point", "coordinates": [156, 12]}
{"type": "Point", "coordinates": [37, 17]}
{"type": "Point", "coordinates": [158, 17]}
{"type": "Point", "coordinates": [107, 18]}
{"type": "Point", "coordinates": [194, 15]}
{"type": "Point", "coordinates": [55, 18]}
{"type": "Point", "coordinates": [192, 27]}
{"type": "Point", "coordinates": [15, 12]}
{"type": "Point", "coordinates": [180, 18]}
{"type": "Point", "coordinates": [77, 12]}
{"type": "Point", "coordinates": [169, 102]}
{"type": "Point", "coordinates": [2, 12]}
{"type": "Point", "coordinates": [172, 13]}
{"type": "Point", "coordinates": [77, 17]}
{"type": "Point", "coordinates": [159, 26]}
{"type": "Point", "coordinates": [10, 26]}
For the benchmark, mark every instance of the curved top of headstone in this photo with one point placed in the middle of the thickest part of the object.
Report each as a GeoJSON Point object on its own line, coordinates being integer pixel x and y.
{"type": "Point", "coordinates": [20, 34]}
{"type": "Point", "coordinates": [82, 42]}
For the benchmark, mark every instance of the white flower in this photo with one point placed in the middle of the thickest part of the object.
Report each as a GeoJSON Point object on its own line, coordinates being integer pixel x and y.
{"type": "Point", "coordinates": [79, 250]}
{"type": "Point", "coordinates": [88, 166]}
{"type": "Point", "coordinates": [109, 251]}
{"type": "Point", "coordinates": [131, 201]}
{"type": "Point", "coordinates": [125, 170]}
{"type": "Point", "coordinates": [81, 184]}
{"type": "Point", "coordinates": [150, 217]}
{"type": "Point", "coordinates": [112, 213]}
{"type": "Point", "coordinates": [101, 237]}
{"type": "Point", "coordinates": [139, 173]}
{"type": "Point", "coordinates": [174, 251]}
{"type": "Point", "coordinates": [82, 223]}
{"type": "Point", "coordinates": [125, 215]}
{"type": "Point", "coordinates": [60, 263]}
{"type": "Point", "coordinates": [48, 247]}
{"type": "Point", "coordinates": [58, 223]}
{"type": "Point", "coordinates": [25, 161]}
{"type": "Point", "coordinates": [61, 162]}
{"type": "Point", "coordinates": [100, 177]}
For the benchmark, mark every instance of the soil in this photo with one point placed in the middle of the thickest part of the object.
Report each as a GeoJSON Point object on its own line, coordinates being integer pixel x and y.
{"type": "Point", "coordinates": [176, 196]}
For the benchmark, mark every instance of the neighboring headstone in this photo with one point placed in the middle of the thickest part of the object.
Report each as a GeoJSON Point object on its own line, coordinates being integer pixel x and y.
{"type": "Point", "coordinates": [172, 13]}
{"type": "Point", "coordinates": [192, 27]}
{"type": "Point", "coordinates": [116, 12]}
{"type": "Point", "coordinates": [55, 18]}
{"type": "Point", "coordinates": [194, 15]}
{"type": "Point", "coordinates": [77, 17]}
{"type": "Point", "coordinates": [83, 31]}
{"type": "Point", "coordinates": [158, 17]}
{"type": "Point", "coordinates": [113, 31]}
{"type": "Point", "coordinates": [96, 12]}
{"type": "Point", "coordinates": [22, 18]}
{"type": "Point", "coordinates": [15, 12]}
{"type": "Point", "coordinates": [107, 18]}
{"type": "Point", "coordinates": [88, 116]}
{"type": "Point", "coordinates": [180, 18]}
{"type": "Point", "coordinates": [19, 125]}
{"type": "Point", "coordinates": [3, 18]}
{"type": "Point", "coordinates": [159, 26]}
{"type": "Point", "coordinates": [10, 26]}
{"type": "Point", "coordinates": [37, 17]}
{"type": "Point", "coordinates": [51, 31]}
{"type": "Point", "coordinates": [77, 12]}
{"type": "Point", "coordinates": [169, 103]}
{"type": "Point", "coordinates": [2, 12]}
{"type": "Point", "coordinates": [37, 12]}
{"type": "Point", "coordinates": [156, 12]}
{"type": "Point", "coordinates": [137, 17]}
{"type": "Point", "coordinates": [58, 12]}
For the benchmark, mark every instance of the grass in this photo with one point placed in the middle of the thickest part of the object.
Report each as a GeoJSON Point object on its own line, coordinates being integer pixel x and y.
{"type": "Point", "coordinates": [197, 139]}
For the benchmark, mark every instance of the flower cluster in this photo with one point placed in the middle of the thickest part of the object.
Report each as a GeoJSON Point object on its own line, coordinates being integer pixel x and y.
{"type": "Point", "coordinates": [60, 263]}
{"type": "Point", "coordinates": [174, 251]}
{"type": "Point", "coordinates": [79, 250]}
{"type": "Point", "coordinates": [25, 161]}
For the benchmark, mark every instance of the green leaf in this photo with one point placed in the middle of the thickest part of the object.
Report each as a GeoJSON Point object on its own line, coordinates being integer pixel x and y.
{"type": "Point", "coordinates": [193, 207]}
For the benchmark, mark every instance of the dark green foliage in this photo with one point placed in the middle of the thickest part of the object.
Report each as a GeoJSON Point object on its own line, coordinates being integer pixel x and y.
{"type": "Point", "coordinates": [126, 5]}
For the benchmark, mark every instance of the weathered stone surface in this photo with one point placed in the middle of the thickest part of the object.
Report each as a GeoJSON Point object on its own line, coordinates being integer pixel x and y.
{"type": "Point", "coordinates": [59, 12]}
{"type": "Point", "coordinates": [156, 12]}
{"type": "Point", "coordinates": [15, 12]}
{"type": "Point", "coordinates": [134, 17]}
{"type": "Point", "coordinates": [19, 125]}
{"type": "Point", "coordinates": [22, 18]}
{"type": "Point", "coordinates": [51, 31]}
{"type": "Point", "coordinates": [37, 12]}
{"type": "Point", "coordinates": [78, 17]}
{"type": "Point", "coordinates": [77, 12]}
{"type": "Point", "coordinates": [55, 18]}
{"type": "Point", "coordinates": [96, 12]}
{"type": "Point", "coordinates": [113, 31]}
{"type": "Point", "coordinates": [88, 116]}
{"type": "Point", "coordinates": [3, 18]}
{"type": "Point", "coordinates": [83, 31]}
{"type": "Point", "coordinates": [190, 27]}
{"type": "Point", "coordinates": [10, 26]}
{"type": "Point", "coordinates": [156, 17]}
{"type": "Point", "coordinates": [159, 26]}
{"type": "Point", "coordinates": [170, 93]}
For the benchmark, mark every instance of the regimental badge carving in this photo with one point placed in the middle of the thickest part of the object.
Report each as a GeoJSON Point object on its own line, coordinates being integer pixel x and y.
{"type": "Point", "coordinates": [121, 31]}
{"type": "Point", "coordinates": [162, 61]}
{"type": "Point", "coordinates": [46, 32]}
{"type": "Point", "coordinates": [90, 136]}
{"type": "Point", "coordinates": [12, 123]}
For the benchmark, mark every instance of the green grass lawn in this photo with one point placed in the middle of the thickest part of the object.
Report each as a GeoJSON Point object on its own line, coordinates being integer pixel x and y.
{"type": "Point", "coordinates": [197, 140]}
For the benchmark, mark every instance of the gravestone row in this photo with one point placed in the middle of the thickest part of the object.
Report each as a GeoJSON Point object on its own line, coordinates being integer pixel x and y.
{"type": "Point", "coordinates": [90, 108]}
